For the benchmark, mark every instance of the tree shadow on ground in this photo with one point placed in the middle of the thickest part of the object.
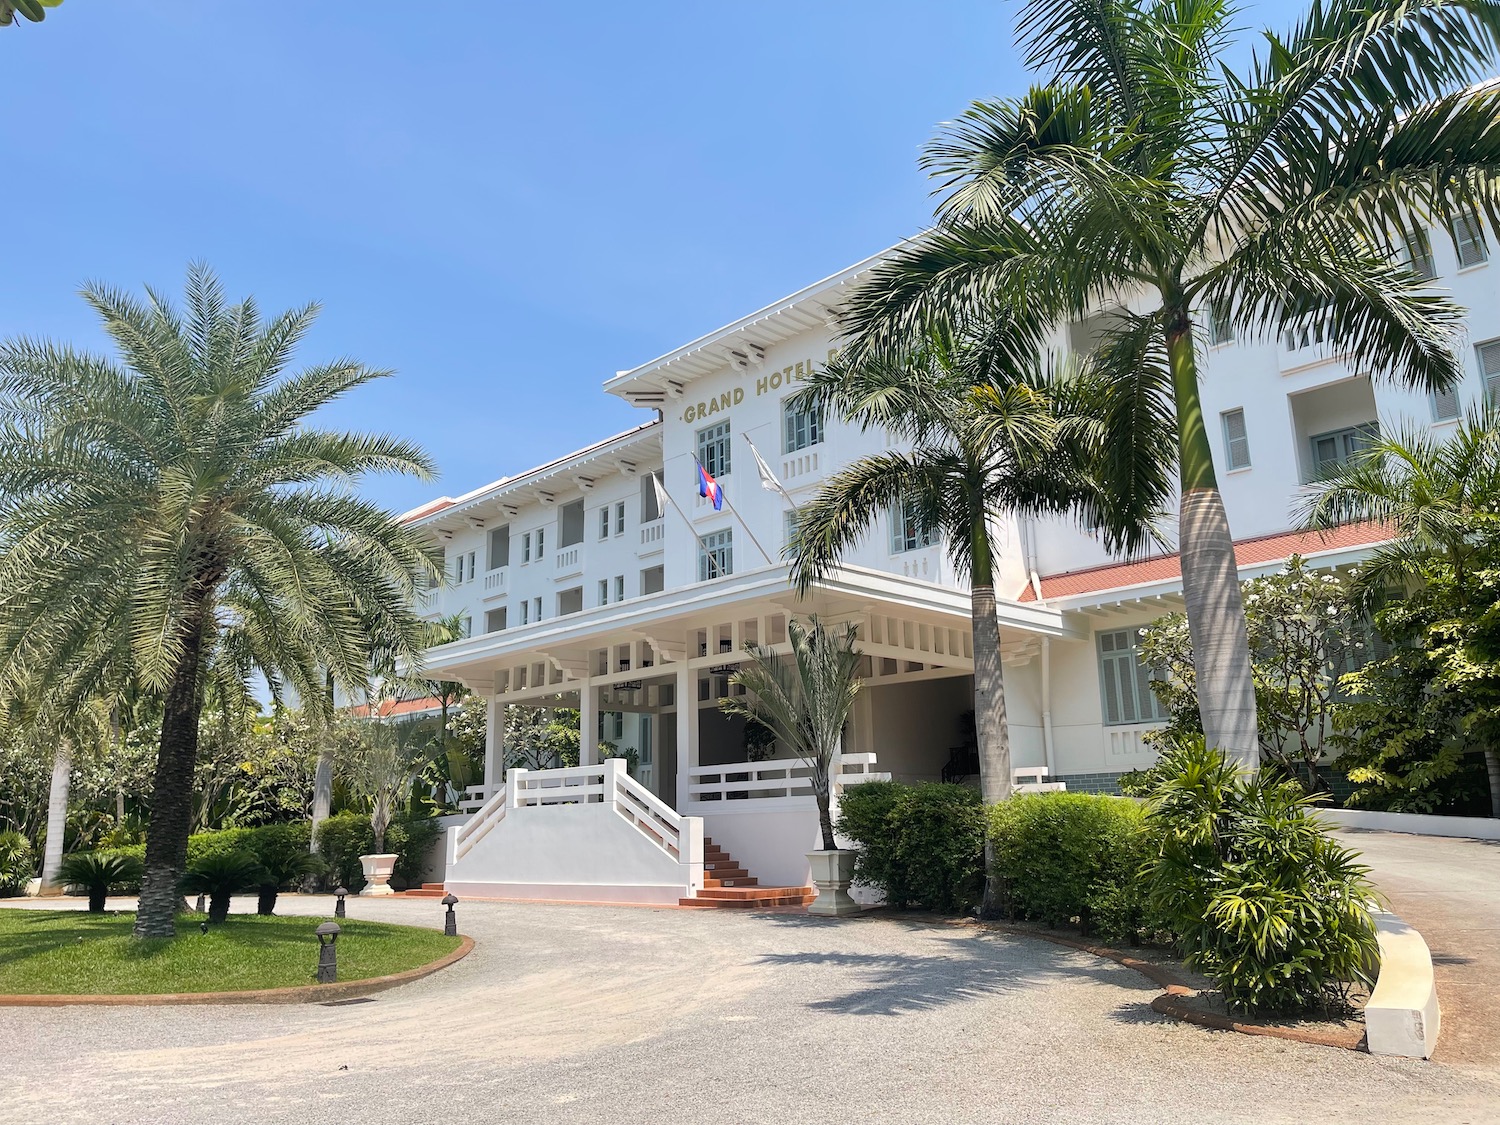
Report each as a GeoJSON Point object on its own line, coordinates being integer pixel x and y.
{"type": "Point", "coordinates": [973, 964]}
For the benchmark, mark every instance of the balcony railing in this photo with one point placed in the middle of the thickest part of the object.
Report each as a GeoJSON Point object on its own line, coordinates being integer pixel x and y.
{"type": "Point", "coordinates": [494, 582]}
{"type": "Point", "coordinates": [568, 562]}
{"type": "Point", "coordinates": [651, 537]}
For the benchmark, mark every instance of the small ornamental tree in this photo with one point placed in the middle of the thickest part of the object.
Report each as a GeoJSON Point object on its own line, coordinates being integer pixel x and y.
{"type": "Point", "coordinates": [1305, 632]}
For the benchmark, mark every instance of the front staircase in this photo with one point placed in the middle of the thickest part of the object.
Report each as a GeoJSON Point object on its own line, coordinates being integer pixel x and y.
{"type": "Point", "coordinates": [728, 886]}
{"type": "Point", "coordinates": [426, 890]}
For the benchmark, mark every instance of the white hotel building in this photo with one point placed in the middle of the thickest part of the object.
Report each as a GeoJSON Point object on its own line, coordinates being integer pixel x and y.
{"type": "Point", "coordinates": [582, 593]}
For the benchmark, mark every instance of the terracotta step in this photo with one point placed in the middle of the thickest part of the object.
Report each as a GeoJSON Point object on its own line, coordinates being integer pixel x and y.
{"type": "Point", "coordinates": [798, 896]}
{"type": "Point", "coordinates": [725, 868]}
{"type": "Point", "coordinates": [734, 881]}
{"type": "Point", "coordinates": [743, 894]}
{"type": "Point", "coordinates": [422, 892]}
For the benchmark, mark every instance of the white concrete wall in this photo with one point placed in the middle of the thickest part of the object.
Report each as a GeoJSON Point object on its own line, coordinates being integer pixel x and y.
{"type": "Point", "coordinates": [568, 852]}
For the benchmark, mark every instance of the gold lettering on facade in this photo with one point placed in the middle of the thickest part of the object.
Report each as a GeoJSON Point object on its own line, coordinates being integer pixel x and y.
{"type": "Point", "coordinates": [764, 384]}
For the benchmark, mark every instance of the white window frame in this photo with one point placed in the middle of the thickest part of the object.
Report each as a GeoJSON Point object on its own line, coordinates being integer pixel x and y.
{"type": "Point", "coordinates": [1226, 422]}
{"type": "Point", "coordinates": [620, 518]}
{"type": "Point", "coordinates": [907, 533]}
{"type": "Point", "coordinates": [1220, 329]}
{"type": "Point", "coordinates": [604, 591]}
{"type": "Point", "coordinates": [1348, 440]}
{"type": "Point", "coordinates": [713, 445]}
{"type": "Point", "coordinates": [1487, 355]}
{"type": "Point", "coordinates": [1418, 258]}
{"type": "Point", "coordinates": [619, 588]}
{"type": "Point", "coordinates": [604, 523]}
{"type": "Point", "coordinates": [718, 545]}
{"type": "Point", "coordinates": [1120, 668]}
{"type": "Point", "coordinates": [800, 429]}
{"type": "Point", "coordinates": [526, 547]}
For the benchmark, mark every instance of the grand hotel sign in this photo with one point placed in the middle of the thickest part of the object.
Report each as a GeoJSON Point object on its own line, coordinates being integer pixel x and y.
{"type": "Point", "coordinates": [764, 385]}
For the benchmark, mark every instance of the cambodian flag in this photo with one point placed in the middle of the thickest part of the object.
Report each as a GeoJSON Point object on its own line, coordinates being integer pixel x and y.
{"type": "Point", "coordinates": [710, 488]}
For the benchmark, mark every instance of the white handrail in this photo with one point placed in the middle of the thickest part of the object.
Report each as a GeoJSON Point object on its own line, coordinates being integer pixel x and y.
{"type": "Point", "coordinates": [681, 837]}
{"type": "Point", "coordinates": [471, 831]}
{"type": "Point", "coordinates": [573, 785]}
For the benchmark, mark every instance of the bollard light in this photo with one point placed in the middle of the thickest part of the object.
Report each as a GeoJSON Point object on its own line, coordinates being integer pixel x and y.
{"type": "Point", "coordinates": [338, 907]}
{"type": "Point", "coordinates": [328, 963]}
{"type": "Point", "coordinates": [450, 923]}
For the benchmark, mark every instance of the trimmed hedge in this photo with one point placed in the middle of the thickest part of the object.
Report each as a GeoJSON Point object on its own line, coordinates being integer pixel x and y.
{"type": "Point", "coordinates": [922, 845]}
{"type": "Point", "coordinates": [342, 839]}
{"type": "Point", "coordinates": [1073, 858]}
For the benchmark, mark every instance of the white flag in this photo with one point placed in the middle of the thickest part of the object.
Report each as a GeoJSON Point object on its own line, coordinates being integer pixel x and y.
{"type": "Point", "coordinates": [662, 499]}
{"type": "Point", "coordinates": [768, 479]}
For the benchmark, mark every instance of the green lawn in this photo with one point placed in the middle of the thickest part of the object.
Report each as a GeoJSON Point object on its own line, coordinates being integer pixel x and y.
{"type": "Point", "coordinates": [53, 951]}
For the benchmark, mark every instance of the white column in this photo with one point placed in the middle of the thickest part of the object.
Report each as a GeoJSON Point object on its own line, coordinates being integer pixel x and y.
{"type": "Point", "coordinates": [1048, 753]}
{"type": "Point", "coordinates": [687, 730]}
{"type": "Point", "coordinates": [588, 725]}
{"type": "Point", "coordinates": [494, 744]}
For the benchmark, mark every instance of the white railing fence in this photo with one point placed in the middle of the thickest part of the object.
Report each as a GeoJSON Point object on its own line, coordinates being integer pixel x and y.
{"type": "Point", "coordinates": [575, 785]}
{"type": "Point", "coordinates": [681, 837]}
{"type": "Point", "coordinates": [778, 779]}
{"type": "Point", "coordinates": [461, 840]}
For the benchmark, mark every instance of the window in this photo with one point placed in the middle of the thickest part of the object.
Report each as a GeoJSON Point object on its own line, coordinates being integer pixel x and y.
{"type": "Point", "coordinates": [1236, 440]}
{"type": "Point", "coordinates": [619, 587]}
{"type": "Point", "coordinates": [470, 578]}
{"type": "Point", "coordinates": [1124, 682]}
{"type": "Point", "coordinates": [499, 552]}
{"type": "Point", "coordinates": [1444, 405]}
{"type": "Point", "coordinates": [1220, 328]}
{"type": "Point", "coordinates": [1489, 369]}
{"type": "Point", "coordinates": [570, 601]}
{"type": "Point", "coordinates": [1333, 449]}
{"type": "Point", "coordinates": [653, 580]}
{"type": "Point", "coordinates": [800, 428]}
{"type": "Point", "coordinates": [1416, 255]}
{"type": "Point", "coordinates": [1468, 237]}
{"type": "Point", "coordinates": [526, 547]}
{"type": "Point", "coordinates": [650, 509]}
{"type": "Point", "coordinates": [611, 726]}
{"type": "Point", "coordinates": [466, 626]}
{"type": "Point", "coordinates": [604, 522]}
{"type": "Point", "coordinates": [525, 613]}
{"type": "Point", "coordinates": [569, 524]}
{"type": "Point", "coordinates": [713, 449]}
{"type": "Point", "coordinates": [494, 620]}
{"type": "Point", "coordinates": [463, 568]}
{"type": "Point", "coordinates": [541, 533]}
{"type": "Point", "coordinates": [441, 568]}
{"type": "Point", "coordinates": [620, 518]}
{"type": "Point", "coordinates": [790, 520]}
{"type": "Point", "coordinates": [604, 591]}
{"type": "Point", "coordinates": [908, 533]}
{"type": "Point", "coordinates": [536, 609]}
{"type": "Point", "coordinates": [716, 555]}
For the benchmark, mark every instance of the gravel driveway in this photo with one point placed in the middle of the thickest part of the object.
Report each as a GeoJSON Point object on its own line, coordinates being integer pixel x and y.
{"type": "Point", "coordinates": [603, 1014]}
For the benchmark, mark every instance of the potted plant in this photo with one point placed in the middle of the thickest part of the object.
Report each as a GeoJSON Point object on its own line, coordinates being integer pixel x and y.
{"type": "Point", "coordinates": [381, 771]}
{"type": "Point", "coordinates": [805, 700]}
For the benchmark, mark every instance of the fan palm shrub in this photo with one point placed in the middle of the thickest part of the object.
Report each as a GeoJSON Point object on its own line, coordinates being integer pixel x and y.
{"type": "Point", "coordinates": [1145, 176]}
{"type": "Point", "coordinates": [279, 870]}
{"type": "Point", "coordinates": [17, 862]}
{"type": "Point", "coordinates": [96, 873]}
{"type": "Point", "coordinates": [220, 875]}
{"type": "Point", "coordinates": [385, 761]}
{"type": "Point", "coordinates": [805, 698]}
{"type": "Point", "coordinates": [175, 504]}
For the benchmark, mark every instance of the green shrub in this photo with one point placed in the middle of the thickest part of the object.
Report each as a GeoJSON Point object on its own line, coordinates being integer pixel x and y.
{"type": "Point", "coordinates": [97, 873]}
{"type": "Point", "coordinates": [342, 839]}
{"type": "Point", "coordinates": [922, 845]}
{"type": "Point", "coordinates": [1263, 899]}
{"type": "Point", "coordinates": [1072, 858]}
{"type": "Point", "coordinates": [17, 863]}
{"type": "Point", "coordinates": [220, 874]}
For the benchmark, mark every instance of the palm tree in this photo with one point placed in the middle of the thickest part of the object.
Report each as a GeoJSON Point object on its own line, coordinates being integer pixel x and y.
{"type": "Point", "coordinates": [805, 700]}
{"type": "Point", "coordinates": [991, 440]}
{"type": "Point", "coordinates": [1146, 177]}
{"type": "Point", "coordinates": [1437, 495]}
{"type": "Point", "coordinates": [176, 502]}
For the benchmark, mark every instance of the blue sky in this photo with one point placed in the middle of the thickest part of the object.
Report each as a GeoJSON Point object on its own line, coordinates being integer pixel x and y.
{"type": "Point", "coordinates": [506, 203]}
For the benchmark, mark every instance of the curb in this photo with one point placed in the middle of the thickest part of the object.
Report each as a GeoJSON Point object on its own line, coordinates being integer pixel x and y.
{"type": "Point", "coordinates": [1172, 1002]}
{"type": "Point", "coordinates": [295, 994]}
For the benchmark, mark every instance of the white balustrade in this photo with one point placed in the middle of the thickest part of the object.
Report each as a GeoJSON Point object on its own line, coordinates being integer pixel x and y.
{"type": "Point", "coordinates": [1125, 747]}
{"type": "Point", "coordinates": [740, 781]}
{"type": "Point", "coordinates": [651, 533]}
{"type": "Point", "coordinates": [799, 465]}
{"type": "Point", "coordinates": [466, 835]}
{"type": "Point", "coordinates": [568, 561]}
{"type": "Point", "coordinates": [855, 769]}
{"type": "Point", "coordinates": [494, 581]}
{"type": "Point", "coordinates": [576, 785]}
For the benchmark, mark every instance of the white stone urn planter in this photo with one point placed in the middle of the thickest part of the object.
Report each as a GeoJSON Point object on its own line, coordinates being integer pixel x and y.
{"type": "Point", "coordinates": [832, 872]}
{"type": "Point", "coordinates": [378, 871]}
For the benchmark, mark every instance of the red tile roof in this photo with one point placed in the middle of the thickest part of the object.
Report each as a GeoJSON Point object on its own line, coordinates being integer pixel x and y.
{"type": "Point", "coordinates": [390, 708]}
{"type": "Point", "coordinates": [1247, 552]}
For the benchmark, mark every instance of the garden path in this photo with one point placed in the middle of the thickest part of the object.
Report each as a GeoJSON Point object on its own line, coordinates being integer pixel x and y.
{"type": "Point", "coordinates": [1449, 889]}
{"type": "Point", "coordinates": [602, 1014]}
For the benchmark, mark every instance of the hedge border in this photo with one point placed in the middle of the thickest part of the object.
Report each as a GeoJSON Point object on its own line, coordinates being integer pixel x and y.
{"type": "Point", "coordinates": [294, 994]}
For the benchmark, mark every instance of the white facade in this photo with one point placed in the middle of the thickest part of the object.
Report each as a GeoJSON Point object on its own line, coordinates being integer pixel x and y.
{"type": "Point", "coordinates": [580, 592]}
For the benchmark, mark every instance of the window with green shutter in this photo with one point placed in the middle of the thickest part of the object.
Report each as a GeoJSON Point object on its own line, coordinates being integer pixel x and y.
{"type": "Point", "coordinates": [1124, 682]}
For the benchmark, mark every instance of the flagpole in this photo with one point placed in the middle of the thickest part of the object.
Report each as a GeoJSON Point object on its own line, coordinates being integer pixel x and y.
{"type": "Point", "coordinates": [663, 494]}
{"type": "Point", "coordinates": [735, 512]}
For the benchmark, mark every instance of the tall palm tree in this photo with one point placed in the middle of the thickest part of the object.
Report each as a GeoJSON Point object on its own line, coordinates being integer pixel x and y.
{"type": "Point", "coordinates": [990, 440]}
{"type": "Point", "coordinates": [177, 501]}
{"type": "Point", "coordinates": [805, 699]}
{"type": "Point", "coordinates": [1146, 177]}
{"type": "Point", "coordinates": [1439, 495]}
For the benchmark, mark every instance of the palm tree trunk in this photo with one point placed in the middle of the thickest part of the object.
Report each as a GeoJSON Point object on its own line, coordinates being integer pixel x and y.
{"type": "Point", "coordinates": [57, 815]}
{"type": "Point", "coordinates": [1492, 764]}
{"type": "Point", "coordinates": [172, 789]}
{"type": "Point", "coordinates": [991, 726]}
{"type": "Point", "coordinates": [1210, 577]}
